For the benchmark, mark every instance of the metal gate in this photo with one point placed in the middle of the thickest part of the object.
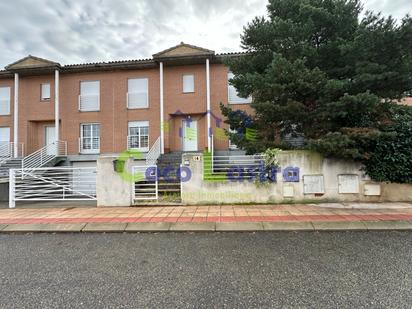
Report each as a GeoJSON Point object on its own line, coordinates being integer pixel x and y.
{"type": "Point", "coordinates": [145, 183]}
{"type": "Point", "coordinates": [52, 184]}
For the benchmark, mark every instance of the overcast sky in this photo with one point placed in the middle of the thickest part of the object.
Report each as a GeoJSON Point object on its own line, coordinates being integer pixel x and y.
{"type": "Point", "coordinates": [77, 31]}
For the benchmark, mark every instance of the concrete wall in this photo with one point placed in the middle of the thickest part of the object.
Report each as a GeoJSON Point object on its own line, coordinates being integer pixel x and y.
{"type": "Point", "coordinates": [111, 189]}
{"type": "Point", "coordinates": [198, 191]}
{"type": "Point", "coordinates": [4, 192]}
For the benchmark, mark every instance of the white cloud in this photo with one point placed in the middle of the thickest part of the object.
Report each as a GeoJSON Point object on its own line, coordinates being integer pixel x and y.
{"type": "Point", "coordinates": [77, 31]}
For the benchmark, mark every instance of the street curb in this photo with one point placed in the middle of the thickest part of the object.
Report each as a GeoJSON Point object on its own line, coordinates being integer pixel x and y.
{"type": "Point", "coordinates": [154, 227]}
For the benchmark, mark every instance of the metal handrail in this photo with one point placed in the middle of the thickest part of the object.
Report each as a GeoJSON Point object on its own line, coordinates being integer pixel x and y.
{"type": "Point", "coordinates": [83, 96]}
{"type": "Point", "coordinates": [8, 151]}
{"type": "Point", "coordinates": [44, 155]}
{"type": "Point", "coordinates": [154, 153]}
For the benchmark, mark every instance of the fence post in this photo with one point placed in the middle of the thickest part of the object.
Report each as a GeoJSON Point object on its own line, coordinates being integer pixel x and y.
{"type": "Point", "coordinates": [12, 201]}
{"type": "Point", "coordinates": [157, 185]}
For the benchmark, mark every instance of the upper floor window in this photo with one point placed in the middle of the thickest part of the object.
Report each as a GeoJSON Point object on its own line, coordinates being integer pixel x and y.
{"type": "Point", "coordinates": [45, 92]}
{"type": "Point", "coordinates": [138, 93]}
{"type": "Point", "coordinates": [188, 83]}
{"type": "Point", "coordinates": [4, 100]}
{"type": "Point", "coordinates": [89, 99]}
{"type": "Point", "coordinates": [233, 95]}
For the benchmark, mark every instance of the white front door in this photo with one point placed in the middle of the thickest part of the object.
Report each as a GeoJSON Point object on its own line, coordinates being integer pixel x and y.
{"type": "Point", "coordinates": [189, 131]}
{"type": "Point", "coordinates": [50, 138]}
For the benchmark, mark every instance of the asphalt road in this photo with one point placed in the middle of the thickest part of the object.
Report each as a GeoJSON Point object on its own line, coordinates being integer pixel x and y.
{"type": "Point", "coordinates": [243, 270]}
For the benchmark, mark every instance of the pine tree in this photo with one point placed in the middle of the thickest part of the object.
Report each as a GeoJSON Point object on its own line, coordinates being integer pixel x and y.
{"type": "Point", "coordinates": [316, 67]}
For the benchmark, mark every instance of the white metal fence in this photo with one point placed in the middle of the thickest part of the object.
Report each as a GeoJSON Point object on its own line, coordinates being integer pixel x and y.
{"type": "Point", "coordinates": [146, 185]}
{"type": "Point", "coordinates": [52, 184]}
{"type": "Point", "coordinates": [233, 167]}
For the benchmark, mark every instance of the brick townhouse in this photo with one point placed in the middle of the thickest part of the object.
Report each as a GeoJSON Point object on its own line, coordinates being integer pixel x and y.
{"type": "Point", "coordinates": [102, 108]}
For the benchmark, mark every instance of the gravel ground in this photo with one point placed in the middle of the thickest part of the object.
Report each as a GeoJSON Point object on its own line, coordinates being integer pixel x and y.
{"type": "Point", "coordinates": [209, 270]}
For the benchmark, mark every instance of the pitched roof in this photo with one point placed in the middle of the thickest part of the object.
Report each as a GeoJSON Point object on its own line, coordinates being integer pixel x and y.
{"type": "Point", "coordinates": [31, 62]}
{"type": "Point", "coordinates": [183, 50]}
{"type": "Point", "coordinates": [182, 53]}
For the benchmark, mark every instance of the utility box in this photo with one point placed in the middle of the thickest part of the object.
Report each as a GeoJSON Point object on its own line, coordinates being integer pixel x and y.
{"type": "Point", "coordinates": [372, 189]}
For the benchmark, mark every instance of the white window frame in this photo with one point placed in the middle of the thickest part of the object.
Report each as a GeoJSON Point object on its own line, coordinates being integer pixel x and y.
{"type": "Point", "coordinates": [42, 97]}
{"type": "Point", "coordinates": [6, 129]}
{"type": "Point", "coordinates": [93, 109]}
{"type": "Point", "coordinates": [4, 111]}
{"type": "Point", "coordinates": [138, 137]}
{"type": "Point", "coordinates": [130, 93]}
{"type": "Point", "coordinates": [82, 137]}
{"type": "Point", "coordinates": [188, 78]}
{"type": "Point", "coordinates": [235, 99]}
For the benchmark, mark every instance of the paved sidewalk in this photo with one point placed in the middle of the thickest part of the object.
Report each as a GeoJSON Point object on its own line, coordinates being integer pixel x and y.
{"type": "Point", "coordinates": [331, 216]}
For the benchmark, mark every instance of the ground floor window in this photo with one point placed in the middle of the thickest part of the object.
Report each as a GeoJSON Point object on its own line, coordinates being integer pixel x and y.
{"type": "Point", "coordinates": [138, 135]}
{"type": "Point", "coordinates": [90, 138]}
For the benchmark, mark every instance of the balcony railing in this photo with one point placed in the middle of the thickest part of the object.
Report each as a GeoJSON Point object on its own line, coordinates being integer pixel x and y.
{"type": "Point", "coordinates": [9, 150]}
{"type": "Point", "coordinates": [89, 103]}
{"type": "Point", "coordinates": [89, 145]}
{"type": "Point", "coordinates": [134, 142]}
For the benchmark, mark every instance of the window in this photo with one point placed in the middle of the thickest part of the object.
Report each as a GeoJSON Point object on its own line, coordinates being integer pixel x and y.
{"type": "Point", "coordinates": [89, 99]}
{"type": "Point", "coordinates": [4, 100]}
{"type": "Point", "coordinates": [4, 135]}
{"type": "Point", "coordinates": [234, 97]}
{"type": "Point", "coordinates": [5, 149]}
{"type": "Point", "coordinates": [90, 138]}
{"type": "Point", "coordinates": [188, 83]}
{"type": "Point", "coordinates": [139, 135]}
{"type": "Point", "coordinates": [138, 93]}
{"type": "Point", "coordinates": [45, 92]}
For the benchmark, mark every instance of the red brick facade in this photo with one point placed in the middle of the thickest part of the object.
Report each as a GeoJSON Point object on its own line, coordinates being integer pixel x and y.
{"type": "Point", "coordinates": [113, 116]}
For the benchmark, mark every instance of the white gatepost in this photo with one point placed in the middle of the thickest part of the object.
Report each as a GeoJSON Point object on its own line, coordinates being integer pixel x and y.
{"type": "Point", "coordinates": [12, 183]}
{"type": "Point", "coordinates": [56, 104]}
{"type": "Point", "coordinates": [162, 124]}
{"type": "Point", "coordinates": [208, 108]}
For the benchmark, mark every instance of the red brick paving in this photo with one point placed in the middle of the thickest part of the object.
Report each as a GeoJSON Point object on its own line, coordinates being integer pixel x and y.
{"type": "Point", "coordinates": [238, 213]}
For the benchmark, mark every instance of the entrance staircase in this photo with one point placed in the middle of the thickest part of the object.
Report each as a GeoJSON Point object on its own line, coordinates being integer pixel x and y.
{"type": "Point", "coordinates": [10, 157]}
{"type": "Point", "coordinates": [169, 178]}
{"type": "Point", "coordinates": [49, 155]}
{"type": "Point", "coordinates": [7, 165]}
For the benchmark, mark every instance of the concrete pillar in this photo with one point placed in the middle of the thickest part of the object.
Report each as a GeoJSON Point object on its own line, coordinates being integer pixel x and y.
{"type": "Point", "coordinates": [113, 190]}
{"type": "Point", "coordinates": [162, 124]}
{"type": "Point", "coordinates": [16, 115]}
{"type": "Point", "coordinates": [56, 104]}
{"type": "Point", "coordinates": [209, 127]}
